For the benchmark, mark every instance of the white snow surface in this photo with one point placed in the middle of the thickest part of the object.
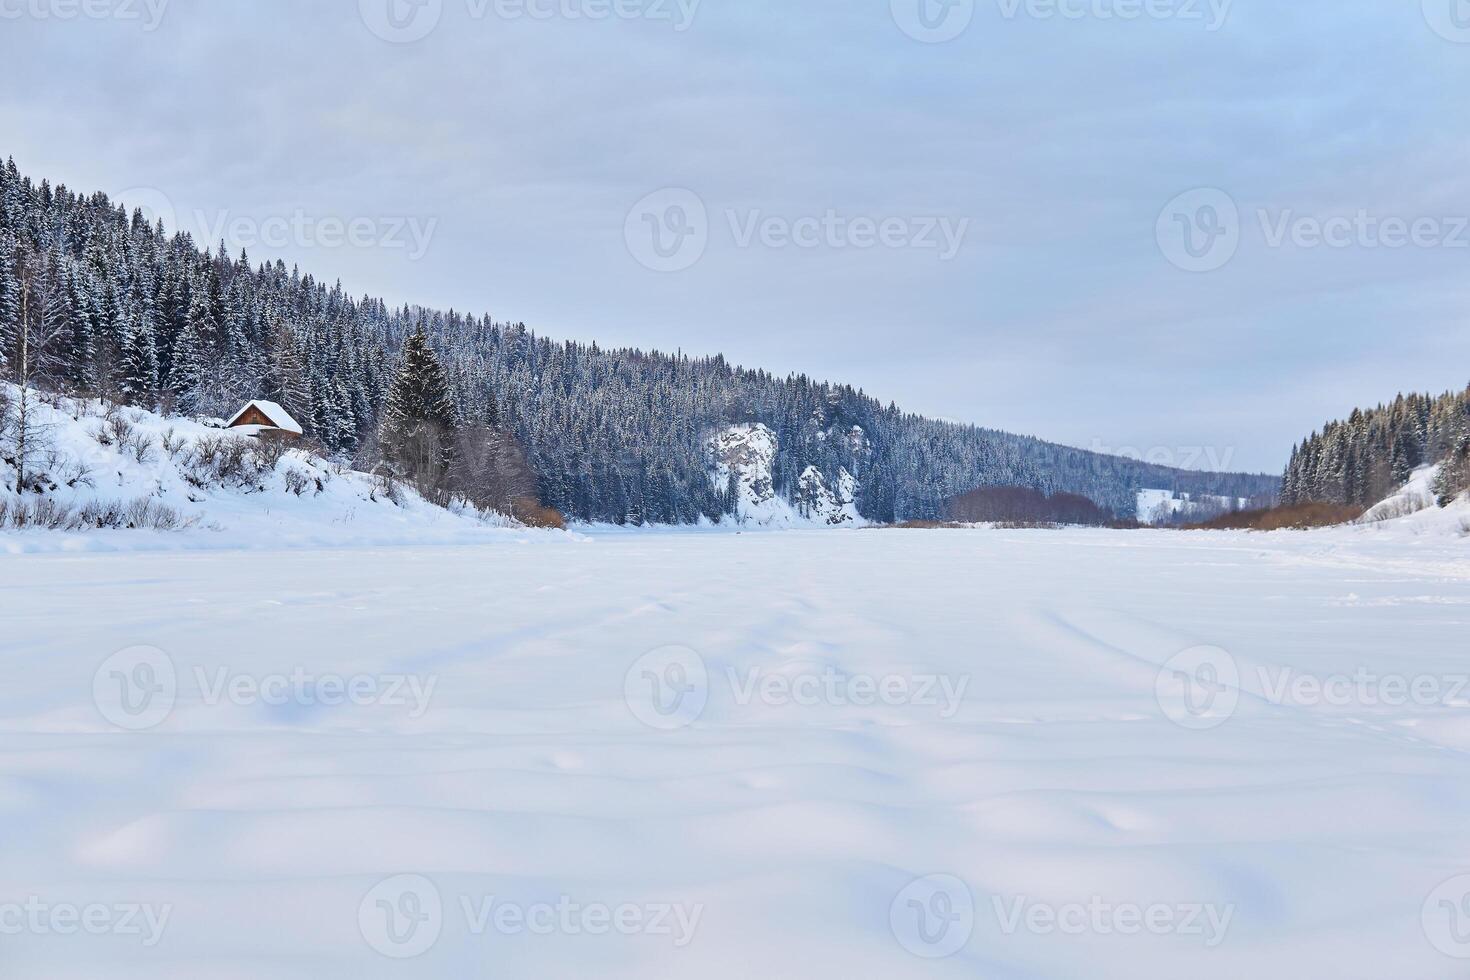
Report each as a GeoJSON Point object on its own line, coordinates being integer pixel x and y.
{"type": "Point", "coordinates": [1325, 837]}
{"type": "Point", "coordinates": [303, 500]}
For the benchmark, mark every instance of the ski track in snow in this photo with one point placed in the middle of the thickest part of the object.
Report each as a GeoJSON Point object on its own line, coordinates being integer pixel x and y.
{"type": "Point", "coordinates": [793, 828]}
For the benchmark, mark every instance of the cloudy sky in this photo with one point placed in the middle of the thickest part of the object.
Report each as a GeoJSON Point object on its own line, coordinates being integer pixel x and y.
{"type": "Point", "coordinates": [1191, 228]}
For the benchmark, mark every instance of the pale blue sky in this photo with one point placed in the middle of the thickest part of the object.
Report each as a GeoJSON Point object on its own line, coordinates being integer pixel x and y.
{"type": "Point", "coordinates": [510, 149]}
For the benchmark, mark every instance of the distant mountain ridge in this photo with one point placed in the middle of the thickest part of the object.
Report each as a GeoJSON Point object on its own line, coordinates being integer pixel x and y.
{"type": "Point", "coordinates": [153, 319]}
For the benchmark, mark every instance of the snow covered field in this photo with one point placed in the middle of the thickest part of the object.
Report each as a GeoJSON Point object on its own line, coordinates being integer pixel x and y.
{"type": "Point", "coordinates": [840, 754]}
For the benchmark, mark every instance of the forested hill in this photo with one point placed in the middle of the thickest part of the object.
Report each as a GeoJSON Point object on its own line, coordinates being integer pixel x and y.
{"type": "Point", "coordinates": [1363, 459]}
{"type": "Point", "coordinates": [156, 319]}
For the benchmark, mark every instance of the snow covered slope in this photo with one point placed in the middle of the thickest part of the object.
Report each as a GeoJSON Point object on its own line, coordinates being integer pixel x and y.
{"type": "Point", "coordinates": [1414, 510]}
{"type": "Point", "coordinates": [749, 452]}
{"type": "Point", "coordinates": [158, 476]}
{"type": "Point", "coordinates": [1160, 506]}
{"type": "Point", "coordinates": [1415, 496]}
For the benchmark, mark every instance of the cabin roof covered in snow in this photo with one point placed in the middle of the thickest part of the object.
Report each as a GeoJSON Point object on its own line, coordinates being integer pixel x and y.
{"type": "Point", "coordinates": [279, 417]}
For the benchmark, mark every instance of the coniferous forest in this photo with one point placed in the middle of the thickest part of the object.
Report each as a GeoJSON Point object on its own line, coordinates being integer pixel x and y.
{"type": "Point", "coordinates": [1363, 459]}
{"type": "Point", "coordinates": [153, 318]}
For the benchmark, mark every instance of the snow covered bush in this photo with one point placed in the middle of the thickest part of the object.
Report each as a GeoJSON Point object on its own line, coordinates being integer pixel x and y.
{"type": "Point", "coordinates": [296, 481]}
{"type": "Point", "coordinates": [224, 461]}
{"type": "Point", "coordinates": [45, 513]}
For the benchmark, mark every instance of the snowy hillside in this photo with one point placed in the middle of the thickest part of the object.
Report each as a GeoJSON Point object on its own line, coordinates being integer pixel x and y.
{"type": "Point", "coordinates": [1414, 510]}
{"type": "Point", "coordinates": [748, 452]}
{"type": "Point", "coordinates": [114, 477]}
{"type": "Point", "coordinates": [1415, 496]}
{"type": "Point", "coordinates": [1163, 506]}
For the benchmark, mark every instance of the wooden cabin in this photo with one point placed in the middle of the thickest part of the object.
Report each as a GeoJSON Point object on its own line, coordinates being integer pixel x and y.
{"type": "Point", "coordinates": [262, 418]}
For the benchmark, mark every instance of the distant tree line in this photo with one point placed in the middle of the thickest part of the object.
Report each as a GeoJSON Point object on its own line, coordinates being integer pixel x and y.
{"type": "Point", "coordinates": [154, 319]}
{"type": "Point", "coordinates": [1373, 452]}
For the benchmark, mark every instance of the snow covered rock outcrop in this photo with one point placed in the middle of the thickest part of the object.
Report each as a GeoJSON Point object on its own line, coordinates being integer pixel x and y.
{"type": "Point", "coordinates": [748, 453]}
{"type": "Point", "coordinates": [833, 506]}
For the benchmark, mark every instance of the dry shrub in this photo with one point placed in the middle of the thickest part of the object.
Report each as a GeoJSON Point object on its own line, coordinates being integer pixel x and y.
{"type": "Point", "coordinates": [1024, 507]}
{"type": "Point", "coordinates": [43, 513]}
{"type": "Point", "coordinates": [48, 514]}
{"type": "Point", "coordinates": [298, 482]}
{"type": "Point", "coordinates": [74, 473]}
{"type": "Point", "coordinates": [532, 513]}
{"type": "Point", "coordinates": [116, 430]}
{"type": "Point", "coordinates": [140, 514]}
{"type": "Point", "coordinates": [1297, 516]}
{"type": "Point", "coordinates": [387, 488]}
{"type": "Point", "coordinates": [1402, 507]}
{"type": "Point", "coordinates": [173, 444]}
{"type": "Point", "coordinates": [222, 461]}
{"type": "Point", "coordinates": [116, 425]}
{"type": "Point", "coordinates": [141, 446]}
{"type": "Point", "coordinates": [269, 449]}
{"type": "Point", "coordinates": [924, 525]}
{"type": "Point", "coordinates": [145, 513]}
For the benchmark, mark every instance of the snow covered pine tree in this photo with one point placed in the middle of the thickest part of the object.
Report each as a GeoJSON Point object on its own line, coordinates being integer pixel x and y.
{"type": "Point", "coordinates": [419, 421]}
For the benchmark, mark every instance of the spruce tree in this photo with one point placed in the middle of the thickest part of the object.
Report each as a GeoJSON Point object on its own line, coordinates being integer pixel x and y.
{"type": "Point", "coordinates": [139, 363]}
{"type": "Point", "coordinates": [419, 419]}
{"type": "Point", "coordinates": [9, 299]}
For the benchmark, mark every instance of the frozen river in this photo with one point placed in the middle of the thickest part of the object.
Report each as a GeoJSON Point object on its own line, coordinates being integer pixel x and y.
{"type": "Point", "coordinates": [1004, 754]}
